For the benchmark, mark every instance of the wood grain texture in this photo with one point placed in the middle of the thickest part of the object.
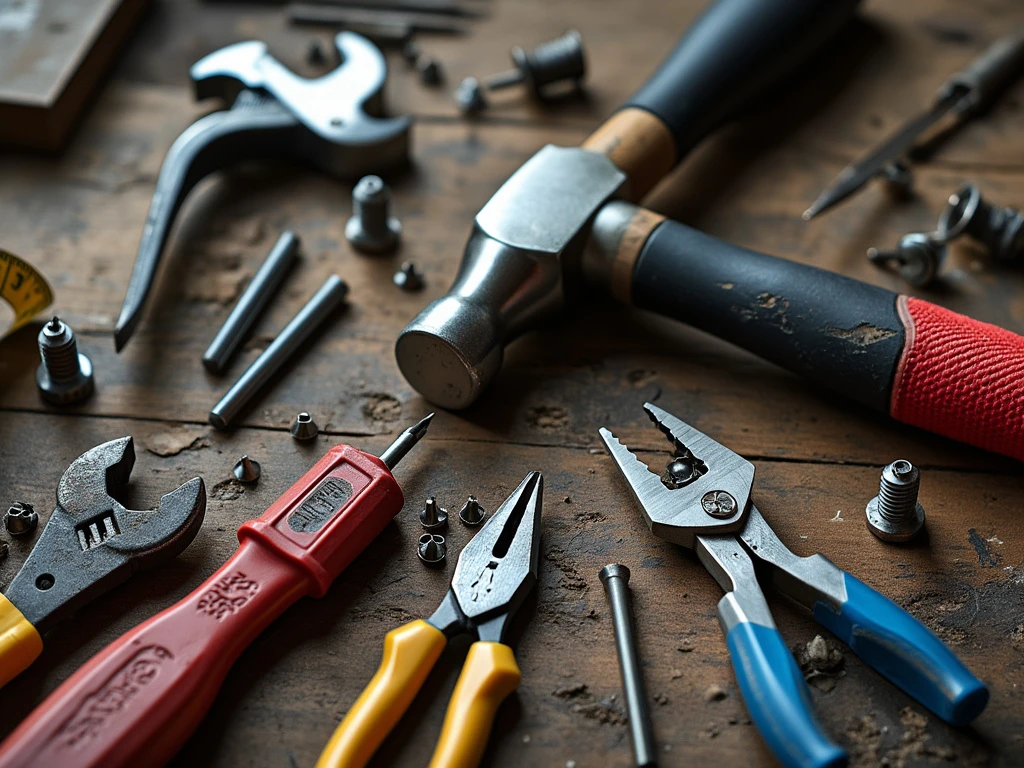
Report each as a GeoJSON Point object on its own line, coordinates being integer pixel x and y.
{"type": "Point", "coordinates": [78, 218]}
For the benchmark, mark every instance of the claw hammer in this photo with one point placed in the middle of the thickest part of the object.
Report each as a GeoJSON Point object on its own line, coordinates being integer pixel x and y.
{"type": "Point", "coordinates": [568, 215]}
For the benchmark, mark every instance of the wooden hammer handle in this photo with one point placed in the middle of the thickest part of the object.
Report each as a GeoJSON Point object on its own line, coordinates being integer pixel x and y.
{"type": "Point", "coordinates": [737, 53]}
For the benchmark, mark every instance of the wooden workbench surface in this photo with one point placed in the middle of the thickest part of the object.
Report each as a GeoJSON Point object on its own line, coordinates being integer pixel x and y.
{"type": "Point", "coordinates": [78, 217]}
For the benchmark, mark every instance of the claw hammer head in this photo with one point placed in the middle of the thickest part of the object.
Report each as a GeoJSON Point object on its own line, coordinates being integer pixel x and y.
{"type": "Point", "coordinates": [342, 108]}
{"type": "Point", "coordinates": [92, 542]}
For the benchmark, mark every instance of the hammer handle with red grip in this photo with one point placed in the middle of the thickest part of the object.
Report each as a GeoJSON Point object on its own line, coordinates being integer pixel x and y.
{"type": "Point", "coordinates": [138, 700]}
{"type": "Point", "coordinates": [922, 364]}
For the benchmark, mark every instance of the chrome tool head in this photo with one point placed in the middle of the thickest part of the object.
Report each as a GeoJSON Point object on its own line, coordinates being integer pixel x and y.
{"type": "Point", "coordinates": [498, 568]}
{"type": "Point", "coordinates": [712, 495]}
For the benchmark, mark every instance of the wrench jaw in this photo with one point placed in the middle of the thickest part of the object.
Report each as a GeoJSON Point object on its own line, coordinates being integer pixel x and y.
{"type": "Point", "coordinates": [679, 514]}
{"type": "Point", "coordinates": [92, 542]}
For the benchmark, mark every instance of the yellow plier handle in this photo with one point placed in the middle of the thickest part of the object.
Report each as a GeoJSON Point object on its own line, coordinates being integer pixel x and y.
{"type": "Point", "coordinates": [20, 643]}
{"type": "Point", "coordinates": [488, 677]}
{"type": "Point", "coordinates": [409, 654]}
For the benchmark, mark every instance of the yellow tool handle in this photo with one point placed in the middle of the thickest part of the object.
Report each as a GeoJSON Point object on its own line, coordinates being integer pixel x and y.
{"type": "Point", "coordinates": [409, 653]}
{"type": "Point", "coordinates": [489, 676]}
{"type": "Point", "coordinates": [20, 643]}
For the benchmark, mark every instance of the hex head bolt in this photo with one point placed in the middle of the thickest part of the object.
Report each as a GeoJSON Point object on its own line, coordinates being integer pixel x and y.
{"type": "Point", "coordinates": [472, 514]}
{"type": "Point", "coordinates": [895, 514]}
{"type": "Point", "coordinates": [917, 258]}
{"type": "Point", "coordinates": [64, 376]}
{"type": "Point", "coordinates": [371, 228]}
{"type": "Point", "coordinates": [304, 428]}
{"type": "Point", "coordinates": [432, 549]}
{"type": "Point", "coordinates": [615, 578]}
{"type": "Point", "coordinates": [247, 470]}
{"type": "Point", "coordinates": [557, 61]}
{"type": "Point", "coordinates": [433, 517]}
{"type": "Point", "coordinates": [21, 519]}
{"type": "Point", "coordinates": [1000, 230]}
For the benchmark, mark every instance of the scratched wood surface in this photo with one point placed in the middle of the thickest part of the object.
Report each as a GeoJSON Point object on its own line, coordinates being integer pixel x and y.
{"type": "Point", "coordinates": [78, 217]}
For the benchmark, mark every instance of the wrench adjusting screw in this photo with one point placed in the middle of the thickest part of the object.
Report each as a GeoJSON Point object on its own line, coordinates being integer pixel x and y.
{"type": "Point", "coordinates": [371, 228]}
{"type": "Point", "coordinates": [917, 258]}
{"type": "Point", "coordinates": [433, 517]}
{"type": "Point", "coordinates": [408, 278]}
{"type": "Point", "coordinates": [472, 514]}
{"type": "Point", "coordinates": [895, 514]}
{"type": "Point", "coordinates": [1000, 230]}
{"type": "Point", "coordinates": [65, 375]}
{"type": "Point", "coordinates": [21, 519]}
{"type": "Point", "coordinates": [718, 504]}
{"type": "Point", "coordinates": [304, 428]}
{"type": "Point", "coordinates": [432, 549]}
{"type": "Point", "coordinates": [247, 470]}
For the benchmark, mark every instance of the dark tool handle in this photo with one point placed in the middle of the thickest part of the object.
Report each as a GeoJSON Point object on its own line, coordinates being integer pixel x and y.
{"type": "Point", "coordinates": [924, 365]}
{"type": "Point", "coordinates": [733, 56]}
{"type": "Point", "coordinates": [985, 78]}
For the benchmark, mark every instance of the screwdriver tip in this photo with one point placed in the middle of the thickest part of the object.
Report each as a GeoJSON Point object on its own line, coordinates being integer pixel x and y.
{"type": "Point", "coordinates": [808, 214]}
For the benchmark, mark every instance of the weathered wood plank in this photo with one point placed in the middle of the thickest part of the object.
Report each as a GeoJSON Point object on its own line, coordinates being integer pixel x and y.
{"type": "Point", "coordinates": [290, 688]}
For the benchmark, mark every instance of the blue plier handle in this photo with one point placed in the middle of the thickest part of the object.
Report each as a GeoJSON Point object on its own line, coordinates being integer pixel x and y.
{"type": "Point", "coordinates": [709, 510]}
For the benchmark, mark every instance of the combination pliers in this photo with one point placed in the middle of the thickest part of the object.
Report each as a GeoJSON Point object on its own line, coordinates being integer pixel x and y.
{"type": "Point", "coordinates": [705, 506]}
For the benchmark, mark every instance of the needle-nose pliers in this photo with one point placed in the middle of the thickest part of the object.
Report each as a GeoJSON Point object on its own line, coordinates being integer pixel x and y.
{"type": "Point", "coordinates": [706, 507]}
{"type": "Point", "coordinates": [496, 571]}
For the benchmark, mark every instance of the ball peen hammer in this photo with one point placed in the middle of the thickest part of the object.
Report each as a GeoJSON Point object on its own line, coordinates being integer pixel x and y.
{"type": "Point", "coordinates": [567, 215]}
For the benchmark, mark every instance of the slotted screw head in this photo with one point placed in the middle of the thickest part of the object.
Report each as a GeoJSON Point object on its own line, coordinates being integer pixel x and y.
{"type": "Point", "coordinates": [21, 519]}
{"type": "Point", "coordinates": [472, 514]}
{"type": "Point", "coordinates": [247, 470]}
{"type": "Point", "coordinates": [408, 278]}
{"type": "Point", "coordinates": [433, 517]}
{"type": "Point", "coordinates": [304, 428]}
{"type": "Point", "coordinates": [432, 549]}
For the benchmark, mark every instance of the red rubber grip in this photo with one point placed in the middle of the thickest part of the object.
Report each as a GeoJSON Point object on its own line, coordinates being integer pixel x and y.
{"type": "Point", "coordinates": [960, 378]}
{"type": "Point", "coordinates": [138, 700]}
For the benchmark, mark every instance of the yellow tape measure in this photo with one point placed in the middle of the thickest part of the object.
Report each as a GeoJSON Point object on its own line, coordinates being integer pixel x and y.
{"type": "Point", "coordinates": [23, 288]}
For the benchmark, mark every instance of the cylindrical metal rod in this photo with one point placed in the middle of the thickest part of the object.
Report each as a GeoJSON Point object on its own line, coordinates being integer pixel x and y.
{"type": "Point", "coordinates": [615, 578]}
{"type": "Point", "coordinates": [395, 452]}
{"type": "Point", "coordinates": [316, 310]}
{"type": "Point", "coordinates": [252, 302]}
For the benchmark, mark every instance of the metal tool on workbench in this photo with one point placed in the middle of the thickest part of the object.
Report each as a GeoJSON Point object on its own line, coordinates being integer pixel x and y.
{"type": "Point", "coordinates": [332, 123]}
{"type": "Point", "coordinates": [965, 95]}
{"type": "Point", "coordinates": [174, 663]}
{"type": "Point", "coordinates": [712, 514]}
{"type": "Point", "coordinates": [556, 222]}
{"type": "Point", "coordinates": [495, 573]}
{"type": "Point", "coordinates": [90, 544]}
{"type": "Point", "coordinates": [999, 230]}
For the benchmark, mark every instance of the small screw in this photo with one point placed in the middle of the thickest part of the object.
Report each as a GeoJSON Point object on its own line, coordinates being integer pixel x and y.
{"type": "Point", "coordinates": [557, 61]}
{"type": "Point", "coordinates": [315, 54]}
{"type": "Point", "coordinates": [371, 228]}
{"type": "Point", "coordinates": [900, 179]}
{"type": "Point", "coordinates": [472, 514]}
{"type": "Point", "coordinates": [1000, 230]}
{"type": "Point", "coordinates": [432, 516]}
{"type": "Point", "coordinates": [431, 73]}
{"type": "Point", "coordinates": [718, 504]}
{"type": "Point", "coordinates": [304, 428]}
{"type": "Point", "coordinates": [895, 514]}
{"type": "Point", "coordinates": [469, 97]}
{"type": "Point", "coordinates": [411, 52]}
{"type": "Point", "coordinates": [408, 278]}
{"type": "Point", "coordinates": [432, 549]}
{"type": "Point", "coordinates": [917, 258]}
{"type": "Point", "coordinates": [247, 470]}
{"type": "Point", "coordinates": [64, 376]}
{"type": "Point", "coordinates": [21, 519]}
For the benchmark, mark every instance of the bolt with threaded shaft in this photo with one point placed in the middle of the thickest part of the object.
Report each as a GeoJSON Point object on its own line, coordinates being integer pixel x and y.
{"type": "Point", "coordinates": [65, 375]}
{"type": "Point", "coordinates": [895, 513]}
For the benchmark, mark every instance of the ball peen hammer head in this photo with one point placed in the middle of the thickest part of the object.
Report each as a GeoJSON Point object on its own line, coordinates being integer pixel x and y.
{"type": "Point", "coordinates": [511, 277]}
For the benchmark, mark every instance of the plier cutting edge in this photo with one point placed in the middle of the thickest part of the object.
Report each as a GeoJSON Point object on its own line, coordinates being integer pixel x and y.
{"type": "Point", "coordinates": [495, 572]}
{"type": "Point", "coordinates": [707, 508]}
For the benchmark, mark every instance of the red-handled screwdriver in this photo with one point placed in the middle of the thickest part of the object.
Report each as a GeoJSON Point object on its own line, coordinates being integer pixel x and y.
{"type": "Point", "coordinates": [138, 700]}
